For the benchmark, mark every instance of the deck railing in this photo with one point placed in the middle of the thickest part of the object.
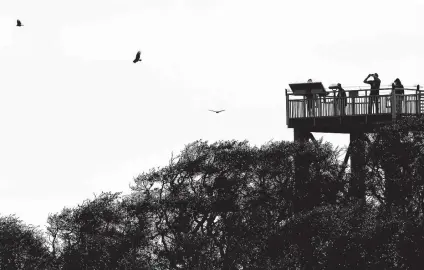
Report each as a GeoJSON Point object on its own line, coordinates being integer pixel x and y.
{"type": "Point", "coordinates": [358, 102]}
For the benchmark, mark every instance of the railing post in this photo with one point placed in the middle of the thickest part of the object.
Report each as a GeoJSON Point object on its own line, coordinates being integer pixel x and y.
{"type": "Point", "coordinates": [418, 100]}
{"type": "Point", "coordinates": [319, 105]}
{"type": "Point", "coordinates": [287, 108]}
{"type": "Point", "coordinates": [367, 106]}
{"type": "Point", "coordinates": [314, 102]}
{"type": "Point", "coordinates": [334, 103]}
{"type": "Point", "coordinates": [393, 101]}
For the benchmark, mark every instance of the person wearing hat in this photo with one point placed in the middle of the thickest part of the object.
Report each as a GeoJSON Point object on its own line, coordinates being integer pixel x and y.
{"type": "Point", "coordinates": [399, 91]}
{"type": "Point", "coordinates": [375, 87]}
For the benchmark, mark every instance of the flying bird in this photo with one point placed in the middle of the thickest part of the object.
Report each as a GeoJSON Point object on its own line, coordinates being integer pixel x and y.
{"type": "Point", "coordinates": [19, 24]}
{"type": "Point", "coordinates": [137, 57]}
{"type": "Point", "coordinates": [216, 111]}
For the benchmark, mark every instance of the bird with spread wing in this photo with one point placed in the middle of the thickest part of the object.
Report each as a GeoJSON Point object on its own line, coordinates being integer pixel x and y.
{"type": "Point", "coordinates": [137, 57]}
{"type": "Point", "coordinates": [19, 24]}
{"type": "Point", "coordinates": [216, 111]}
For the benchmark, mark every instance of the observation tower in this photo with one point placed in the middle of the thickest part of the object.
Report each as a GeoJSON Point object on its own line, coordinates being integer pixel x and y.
{"type": "Point", "coordinates": [312, 108]}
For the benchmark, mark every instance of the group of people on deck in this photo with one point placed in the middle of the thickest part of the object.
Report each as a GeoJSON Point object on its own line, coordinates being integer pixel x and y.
{"type": "Point", "coordinates": [373, 96]}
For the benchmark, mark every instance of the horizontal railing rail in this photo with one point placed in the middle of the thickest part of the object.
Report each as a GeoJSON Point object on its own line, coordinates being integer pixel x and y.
{"type": "Point", "coordinates": [358, 105]}
{"type": "Point", "coordinates": [361, 92]}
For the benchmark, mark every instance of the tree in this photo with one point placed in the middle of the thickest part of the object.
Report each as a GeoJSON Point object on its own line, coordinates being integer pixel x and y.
{"type": "Point", "coordinates": [22, 246]}
{"type": "Point", "coordinates": [216, 205]}
{"type": "Point", "coordinates": [396, 166]}
{"type": "Point", "coordinates": [105, 233]}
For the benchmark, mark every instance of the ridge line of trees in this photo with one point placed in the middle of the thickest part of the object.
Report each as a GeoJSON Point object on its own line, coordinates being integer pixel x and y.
{"type": "Point", "coordinates": [228, 205]}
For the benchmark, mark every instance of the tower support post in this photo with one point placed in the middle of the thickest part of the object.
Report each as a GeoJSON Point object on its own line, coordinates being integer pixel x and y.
{"type": "Point", "coordinates": [358, 166]}
{"type": "Point", "coordinates": [302, 171]}
{"type": "Point", "coordinates": [301, 136]}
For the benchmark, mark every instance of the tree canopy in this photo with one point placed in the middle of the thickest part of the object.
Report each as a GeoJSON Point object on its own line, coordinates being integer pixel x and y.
{"type": "Point", "coordinates": [228, 205]}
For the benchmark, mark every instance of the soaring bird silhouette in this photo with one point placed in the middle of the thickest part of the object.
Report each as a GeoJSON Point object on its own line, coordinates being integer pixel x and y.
{"type": "Point", "coordinates": [137, 57]}
{"type": "Point", "coordinates": [216, 111]}
{"type": "Point", "coordinates": [19, 24]}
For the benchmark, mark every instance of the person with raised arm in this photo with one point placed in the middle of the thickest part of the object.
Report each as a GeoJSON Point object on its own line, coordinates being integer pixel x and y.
{"type": "Point", "coordinates": [375, 87]}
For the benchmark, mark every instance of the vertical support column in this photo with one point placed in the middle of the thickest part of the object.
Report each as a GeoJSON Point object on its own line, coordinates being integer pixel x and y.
{"type": "Point", "coordinates": [357, 160]}
{"type": "Point", "coordinates": [300, 135]}
{"type": "Point", "coordinates": [344, 165]}
{"type": "Point", "coordinates": [301, 166]}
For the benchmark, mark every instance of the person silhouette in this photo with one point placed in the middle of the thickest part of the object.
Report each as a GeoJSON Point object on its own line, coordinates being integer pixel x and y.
{"type": "Point", "coordinates": [375, 87]}
{"type": "Point", "coordinates": [399, 91]}
{"type": "Point", "coordinates": [342, 99]}
{"type": "Point", "coordinates": [310, 101]}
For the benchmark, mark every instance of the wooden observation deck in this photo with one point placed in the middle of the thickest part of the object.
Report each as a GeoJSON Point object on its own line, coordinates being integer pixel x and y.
{"type": "Point", "coordinates": [324, 112]}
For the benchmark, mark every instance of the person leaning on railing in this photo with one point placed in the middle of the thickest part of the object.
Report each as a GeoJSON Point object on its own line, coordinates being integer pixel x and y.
{"type": "Point", "coordinates": [342, 101]}
{"type": "Point", "coordinates": [375, 86]}
{"type": "Point", "coordinates": [399, 91]}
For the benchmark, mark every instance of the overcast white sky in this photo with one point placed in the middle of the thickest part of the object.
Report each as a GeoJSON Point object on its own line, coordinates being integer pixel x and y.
{"type": "Point", "coordinates": [78, 117]}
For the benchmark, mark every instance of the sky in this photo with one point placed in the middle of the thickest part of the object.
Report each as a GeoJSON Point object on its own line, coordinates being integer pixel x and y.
{"type": "Point", "coordinates": [78, 117]}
